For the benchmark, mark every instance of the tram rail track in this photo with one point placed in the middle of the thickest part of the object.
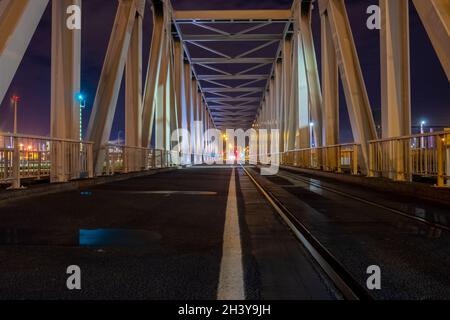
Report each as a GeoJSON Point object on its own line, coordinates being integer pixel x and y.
{"type": "Point", "coordinates": [342, 279]}
{"type": "Point", "coordinates": [287, 174]}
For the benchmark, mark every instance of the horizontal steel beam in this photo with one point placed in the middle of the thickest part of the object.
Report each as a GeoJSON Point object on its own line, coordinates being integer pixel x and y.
{"type": "Point", "coordinates": [234, 77]}
{"type": "Point", "coordinates": [232, 61]}
{"type": "Point", "coordinates": [230, 90]}
{"type": "Point", "coordinates": [241, 37]}
{"type": "Point", "coordinates": [233, 99]}
{"type": "Point", "coordinates": [233, 15]}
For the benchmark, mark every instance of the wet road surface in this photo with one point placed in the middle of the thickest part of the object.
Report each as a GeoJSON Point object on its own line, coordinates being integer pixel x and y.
{"type": "Point", "coordinates": [155, 237]}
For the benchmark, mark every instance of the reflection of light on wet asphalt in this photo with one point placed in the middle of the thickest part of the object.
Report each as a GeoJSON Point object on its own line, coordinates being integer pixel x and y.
{"type": "Point", "coordinates": [190, 193]}
{"type": "Point", "coordinates": [117, 237]}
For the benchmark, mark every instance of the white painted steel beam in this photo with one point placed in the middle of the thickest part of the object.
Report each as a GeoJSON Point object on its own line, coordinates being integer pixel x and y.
{"type": "Point", "coordinates": [18, 22]}
{"type": "Point", "coordinates": [105, 103]}
{"type": "Point", "coordinates": [395, 69]}
{"type": "Point", "coordinates": [435, 16]}
{"type": "Point", "coordinates": [359, 110]}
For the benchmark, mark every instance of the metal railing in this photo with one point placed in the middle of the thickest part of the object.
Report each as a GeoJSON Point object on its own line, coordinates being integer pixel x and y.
{"type": "Point", "coordinates": [336, 158]}
{"type": "Point", "coordinates": [126, 159]}
{"type": "Point", "coordinates": [26, 157]}
{"type": "Point", "coordinates": [401, 158]}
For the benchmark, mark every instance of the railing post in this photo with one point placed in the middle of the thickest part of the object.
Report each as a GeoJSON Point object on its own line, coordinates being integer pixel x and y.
{"type": "Point", "coordinates": [126, 159]}
{"type": "Point", "coordinates": [16, 165]}
{"type": "Point", "coordinates": [440, 161]}
{"type": "Point", "coordinates": [39, 164]}
{"type": "Point", "coordinates": [90, 160]}
{"type": "Point", "coordinates": [355, 160]}
{"type": "Point", "coordinates": [398, 161]}
{"type": "Point", "coordinates": [337, 159]}
{"type": "Point", "coordinates": [107, 162]}
{"type": "Point", "coordinates": [447, 148]}
{"type": "Point", "coordinates": [371, 171]}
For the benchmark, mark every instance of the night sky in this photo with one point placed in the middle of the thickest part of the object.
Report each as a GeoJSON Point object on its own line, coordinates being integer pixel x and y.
{"type": "Point", "coordinates": [430, 88]}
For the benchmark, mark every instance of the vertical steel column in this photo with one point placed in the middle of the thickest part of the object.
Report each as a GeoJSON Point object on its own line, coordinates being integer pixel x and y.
{"type": "Point", "coordinates": [133, 90]}
{"type": "Point", "coordinates": [395, 78]}
{"type": "Point", "coordinates": [65, 85]}
{"type": "Point", "coordinates": [395, 69]}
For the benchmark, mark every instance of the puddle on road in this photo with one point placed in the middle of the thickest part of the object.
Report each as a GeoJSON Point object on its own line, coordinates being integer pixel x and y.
{"type": "Point", "coordinates": [81, 238]}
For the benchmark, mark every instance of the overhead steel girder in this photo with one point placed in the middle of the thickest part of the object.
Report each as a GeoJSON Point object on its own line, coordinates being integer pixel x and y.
{"type": "Point", "coordinates": [228, 38]}
{"type": "Point", "coordinates": [435, 16]}
{"type": "Point", "coordinates": [234, 77]}
{"type": "Point", "coordinates": [230, 113]}
{"type": "Point", "coordinates": [233, 15]}
{"type": "Point", "coordinates": [18, 22]}
{"type": "Point", "coordinates": [105, 102]}
{"type": "Point", "coordinates": [232, 61]}
{"type": "Point", "coordinates": [231, 90]}
{"type": "Point", "coordinates": [233, 99]}
{"type": "Point", "coordinates": [359, 110]}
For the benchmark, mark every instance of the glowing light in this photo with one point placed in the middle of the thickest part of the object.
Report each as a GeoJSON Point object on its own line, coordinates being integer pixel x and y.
{"type": "Point", "coordinates": [311, 124]}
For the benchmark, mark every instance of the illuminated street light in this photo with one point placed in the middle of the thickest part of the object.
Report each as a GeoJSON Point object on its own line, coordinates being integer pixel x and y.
{"type": "Point", "coordinates": [82, 100]}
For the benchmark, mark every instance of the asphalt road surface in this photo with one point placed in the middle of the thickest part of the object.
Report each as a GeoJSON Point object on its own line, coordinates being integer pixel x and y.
{"type": "Point", "coordinates": [196, 233]}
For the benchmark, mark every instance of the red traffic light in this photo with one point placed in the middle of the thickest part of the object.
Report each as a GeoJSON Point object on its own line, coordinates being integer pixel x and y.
{"type": "Point", "coordinates": [15, 98]}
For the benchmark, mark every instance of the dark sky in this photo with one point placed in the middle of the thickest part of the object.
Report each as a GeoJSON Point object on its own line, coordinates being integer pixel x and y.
{"type": "Point", "coordinates": [430, 88]}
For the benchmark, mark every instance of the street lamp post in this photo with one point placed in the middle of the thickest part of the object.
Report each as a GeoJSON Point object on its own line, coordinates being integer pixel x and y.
{"type": "Point", "coordinates": [311, 134]}
{"type": "Point", "coordinates": [15, 100]}
{"type": "Point", "coordinates": [422, 131]}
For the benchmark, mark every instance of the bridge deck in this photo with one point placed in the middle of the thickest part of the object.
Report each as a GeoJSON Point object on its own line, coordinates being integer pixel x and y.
{"type": "Point", "coordinates": [140, 239]}
{"type": "Point", "coordinates": [174, 235]}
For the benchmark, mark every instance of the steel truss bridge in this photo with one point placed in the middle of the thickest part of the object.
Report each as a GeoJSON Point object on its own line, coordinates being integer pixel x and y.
{"type": "Point", "coordinates": [194, 74]}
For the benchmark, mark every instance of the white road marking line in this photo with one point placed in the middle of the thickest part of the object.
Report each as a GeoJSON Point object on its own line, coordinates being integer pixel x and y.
{"type": "Point", "coordinates": [231, 281]}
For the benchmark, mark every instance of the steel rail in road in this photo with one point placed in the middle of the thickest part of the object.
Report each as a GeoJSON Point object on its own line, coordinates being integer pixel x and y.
{"type": "Point", "coordinates": [341, 278]}
{"type": "Point", "coordinates": [369, 202]}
